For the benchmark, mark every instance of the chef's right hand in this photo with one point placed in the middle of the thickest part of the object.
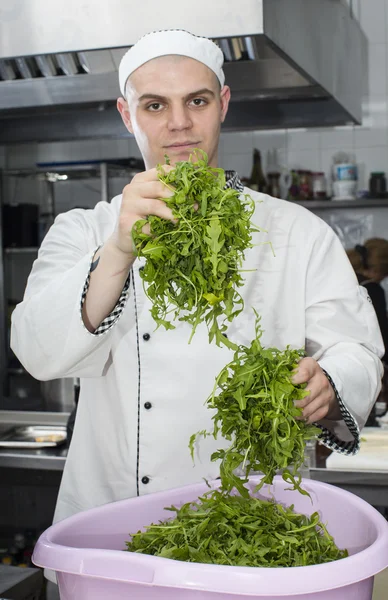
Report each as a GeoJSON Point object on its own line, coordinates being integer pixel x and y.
{"type": "Point", "coordinates": [141, 198]}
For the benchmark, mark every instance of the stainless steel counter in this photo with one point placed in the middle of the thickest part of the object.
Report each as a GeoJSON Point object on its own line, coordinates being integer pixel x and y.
{"type": "Point", "coordinates": [50, 459]}
{"type": "Point", "coordinates": [372, 486]}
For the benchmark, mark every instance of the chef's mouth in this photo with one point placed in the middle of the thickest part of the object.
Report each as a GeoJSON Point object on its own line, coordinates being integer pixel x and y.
{"type": "Point", "coordinates": [182, 145]}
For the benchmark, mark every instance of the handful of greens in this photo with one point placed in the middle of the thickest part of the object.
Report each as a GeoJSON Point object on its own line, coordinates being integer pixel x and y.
{"type": "Point", "coordinates": [255, 411]}
{"type": "Point", "coordinates": [192, 267]}
{"type": "Point", "coordinates": [246, 532]}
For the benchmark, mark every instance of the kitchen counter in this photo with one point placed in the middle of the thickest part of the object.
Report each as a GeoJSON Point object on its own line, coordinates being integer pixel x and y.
{"type": "Point", "coordinates": [16, 582]}
{"type": "Point", "coordinates": [349, 473]}
{"type": "Point", "coordinates": [371, 486]}
{"type": "Point", "coordinates": [51, 459]}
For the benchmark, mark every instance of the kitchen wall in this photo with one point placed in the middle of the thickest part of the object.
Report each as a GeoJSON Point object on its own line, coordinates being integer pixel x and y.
{"type": "Point", "coordinates": [311, 149]}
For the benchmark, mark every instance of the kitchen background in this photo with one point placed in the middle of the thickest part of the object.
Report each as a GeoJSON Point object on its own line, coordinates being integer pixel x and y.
{"type": "Point", "coordinates": [311, 149]}
{"type": "Point", "coordinates": [27, 495]}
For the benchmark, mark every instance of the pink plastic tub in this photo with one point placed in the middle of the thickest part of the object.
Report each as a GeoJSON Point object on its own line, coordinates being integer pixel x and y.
{"type": "Point", "coordinates": [86, 552]}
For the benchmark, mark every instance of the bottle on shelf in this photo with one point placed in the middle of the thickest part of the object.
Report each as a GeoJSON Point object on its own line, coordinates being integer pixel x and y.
{"type": "Point", "coordinates": [257, 180]}
{"type": "Point", "coordinates": [305, 185]}
{"type": "Point", "coordinates": [293, 190]}
{"type": "Point", "coordinates": [319, 185]}
{"type": "Point", "coordinates": [274, 185]}
{"type": "Point", "coordinates": [273, 174]}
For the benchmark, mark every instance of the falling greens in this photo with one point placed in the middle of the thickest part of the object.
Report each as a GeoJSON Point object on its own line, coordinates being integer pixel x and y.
{"type": "Point", "coordinates": [254, 409]}
{"type": "Point", "coordinates": [232, 530]}
{"type": "Point", "coordinates": [192, 266]}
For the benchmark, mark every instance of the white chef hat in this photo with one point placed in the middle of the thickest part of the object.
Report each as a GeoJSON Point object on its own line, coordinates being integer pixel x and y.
{"type": "Point", "coordinates": [171, 41]}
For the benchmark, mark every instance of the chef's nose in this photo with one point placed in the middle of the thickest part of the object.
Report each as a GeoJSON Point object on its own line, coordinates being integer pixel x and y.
{"type": "Point", "coordinates": [179, 118]}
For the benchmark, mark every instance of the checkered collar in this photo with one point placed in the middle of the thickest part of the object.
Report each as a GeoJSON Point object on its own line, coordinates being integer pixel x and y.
{"type": "Point", "coordinates": [233, 181]}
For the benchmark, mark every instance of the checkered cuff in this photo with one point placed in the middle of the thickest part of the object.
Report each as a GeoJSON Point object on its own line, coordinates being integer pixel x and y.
{"type": "Point", "coordinates": [328, 438]}
{"type": "Point", "coordinates": [114, 316]}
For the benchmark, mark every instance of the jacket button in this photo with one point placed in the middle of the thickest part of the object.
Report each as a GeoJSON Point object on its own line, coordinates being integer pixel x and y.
{"type": "Point", "coordinates": [146, 337]}
{"type": "Point", "coordinates": [145, 480]}
{"type": "Point", "coordinates": [147, 405]}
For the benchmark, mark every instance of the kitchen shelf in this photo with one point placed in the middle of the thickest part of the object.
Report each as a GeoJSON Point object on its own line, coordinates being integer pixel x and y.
{"type": "Point", "coordinates": [17, 371]}
{"type": "Point", "coordinates": [51, 175]}
{"type": "Point", "coordinates": [336, 204]}
{"type": "Point", "coordinates": [26, 250]}
{"type": "Point", "coordinates": [58, 172]}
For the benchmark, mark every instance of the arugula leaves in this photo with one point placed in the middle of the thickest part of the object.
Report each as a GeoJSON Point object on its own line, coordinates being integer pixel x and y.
{"type": "Point", "coordinates": [233, 530]}
{"type": "Point", "coordinates": [254, 409]}
{"type": "Point", "coordinates": [192, 267]}
{"type": "Point", "coordinates": [192, 273]}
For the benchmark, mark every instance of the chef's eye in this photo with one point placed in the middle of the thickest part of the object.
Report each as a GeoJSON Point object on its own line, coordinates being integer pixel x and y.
{"type": "Point", "coordinates": [199, 102]}
{"type": "Point", "coordinates": [154, 107]}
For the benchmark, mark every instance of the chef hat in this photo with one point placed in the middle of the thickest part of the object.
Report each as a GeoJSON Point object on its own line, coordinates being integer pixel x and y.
{"type": "Point", "coordinates": [171, 41]}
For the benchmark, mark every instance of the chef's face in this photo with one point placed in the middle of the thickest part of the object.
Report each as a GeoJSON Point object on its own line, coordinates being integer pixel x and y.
{"type": "Point", "coordinates": [174, 104]}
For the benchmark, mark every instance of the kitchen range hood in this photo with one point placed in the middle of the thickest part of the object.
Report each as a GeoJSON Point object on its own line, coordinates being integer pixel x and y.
{"type": "Point", "coordinates": [289, 63]}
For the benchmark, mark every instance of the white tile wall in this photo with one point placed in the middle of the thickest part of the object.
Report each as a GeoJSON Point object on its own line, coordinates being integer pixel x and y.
{"type": "Point", "coordinates": [377, 76]}
{"type": "Point", "coordinates": [302, 139]}
{"type": "Point", "coordinates": [337, 138]}
{"type": "Point", "coordinates": [372, 19]}
{"type": "Point", "coordinates": [378, 157]}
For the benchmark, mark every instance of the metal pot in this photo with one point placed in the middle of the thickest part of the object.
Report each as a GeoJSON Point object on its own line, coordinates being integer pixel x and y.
{"type": "Point", "coordinates": [59, 394]}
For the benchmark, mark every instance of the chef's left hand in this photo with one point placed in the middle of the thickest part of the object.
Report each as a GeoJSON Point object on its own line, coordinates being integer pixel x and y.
{"type": "Point", "coordinates": [321, 402]}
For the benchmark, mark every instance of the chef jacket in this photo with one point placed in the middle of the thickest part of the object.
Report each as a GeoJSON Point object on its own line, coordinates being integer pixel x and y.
{"type": "Point", "coordinates": [143, 390]}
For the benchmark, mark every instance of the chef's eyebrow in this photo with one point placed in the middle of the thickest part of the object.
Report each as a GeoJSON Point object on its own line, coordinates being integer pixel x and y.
{"type": "Point", "coordinates": [158, 98]}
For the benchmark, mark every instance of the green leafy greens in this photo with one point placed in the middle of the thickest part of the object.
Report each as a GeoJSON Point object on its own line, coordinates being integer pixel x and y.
{"type": "Point", "coordinates": [192, 266]}
{"type": "Point", "coordinates": [255, 411]}
{"type": "Point", "coordinates": [232, 530]}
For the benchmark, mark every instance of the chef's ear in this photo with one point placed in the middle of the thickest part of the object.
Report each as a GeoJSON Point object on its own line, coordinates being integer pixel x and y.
{"type": "Point", "coordinates": [224, 100]}
{"type": "Point", "coordinates": [122, 107]}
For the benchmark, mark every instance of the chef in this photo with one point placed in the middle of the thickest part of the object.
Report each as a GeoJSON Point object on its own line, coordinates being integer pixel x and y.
{"type": "Point", "coordinates": [85, 313]}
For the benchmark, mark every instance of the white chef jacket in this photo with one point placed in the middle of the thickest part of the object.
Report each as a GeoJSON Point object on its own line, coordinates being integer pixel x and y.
{"type": "Point", "coordinates": [143, 390]}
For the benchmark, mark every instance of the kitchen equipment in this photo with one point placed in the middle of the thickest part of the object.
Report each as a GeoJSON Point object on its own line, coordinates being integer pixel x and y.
{"type": "Point", "coordinates": [280, 65]}
{"type": "Point", "coordinates": [7, 70]}
{"type": "Point", "coordinates": [20, 225]}
{"type": "Point", "coordinates": [377, 185]}
{"type": "Point", "coordinates": [33, 436]}
{"type": "Point", "coordinates": [59, 394]}
{"type": "Point", "coordinates": [86, 551]}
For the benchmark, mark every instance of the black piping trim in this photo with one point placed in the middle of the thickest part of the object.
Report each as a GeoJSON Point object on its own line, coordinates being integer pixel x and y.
{"type": "Point", "coordinates": [138, 385]}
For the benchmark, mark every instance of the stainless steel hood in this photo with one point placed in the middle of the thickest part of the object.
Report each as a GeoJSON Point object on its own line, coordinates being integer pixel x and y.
{"type": "Point", "coordinates": [289, 63]}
